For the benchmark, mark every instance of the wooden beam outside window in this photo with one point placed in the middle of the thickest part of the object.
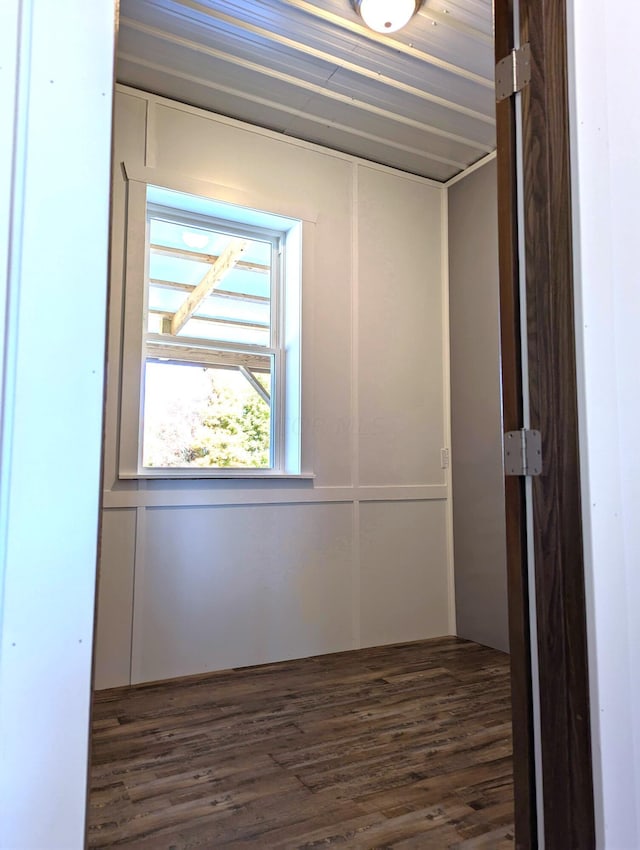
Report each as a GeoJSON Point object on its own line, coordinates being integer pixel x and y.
{"type": "Point", "coordinates": [215, 275]}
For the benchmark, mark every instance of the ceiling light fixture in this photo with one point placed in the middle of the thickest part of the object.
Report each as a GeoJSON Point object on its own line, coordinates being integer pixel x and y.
{"type": "Point", "coordinates": [386, 15]}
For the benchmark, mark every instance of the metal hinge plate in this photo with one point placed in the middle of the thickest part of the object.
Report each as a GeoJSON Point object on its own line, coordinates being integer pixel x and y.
{"type": "Point", "coordinates": [522, 452]}
{"type": "Point", "coordinates": [513, 72]}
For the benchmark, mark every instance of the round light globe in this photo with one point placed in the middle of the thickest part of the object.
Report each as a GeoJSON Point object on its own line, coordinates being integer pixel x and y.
{"type": "Point", "coordinates": [387, 15]}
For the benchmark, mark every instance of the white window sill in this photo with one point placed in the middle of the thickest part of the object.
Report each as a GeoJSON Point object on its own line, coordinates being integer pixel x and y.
{"type": "Point", "coordinates": [197, 475]}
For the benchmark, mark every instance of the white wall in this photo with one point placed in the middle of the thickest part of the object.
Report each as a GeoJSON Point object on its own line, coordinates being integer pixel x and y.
{"type": "Point", "coordinates": [55, 102]}
{"type": "Point", "coordinates": [206, 575]}
{"type": "Point", "coordinates": [479, 533]}
{"type": "Point", "coordinates": [604, 65]}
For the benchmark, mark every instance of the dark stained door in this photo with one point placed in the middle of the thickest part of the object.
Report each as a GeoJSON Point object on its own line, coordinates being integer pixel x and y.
{"type": "Point", "coordinates": [558, 567]}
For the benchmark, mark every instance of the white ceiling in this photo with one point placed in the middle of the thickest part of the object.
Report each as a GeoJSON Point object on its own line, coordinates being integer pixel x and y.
{"type": "Point", "coordinates": [420, 100]}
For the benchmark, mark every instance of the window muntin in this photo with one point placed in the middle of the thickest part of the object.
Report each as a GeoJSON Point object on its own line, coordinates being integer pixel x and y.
{"type": "Point", "coordinates": [212, 363]}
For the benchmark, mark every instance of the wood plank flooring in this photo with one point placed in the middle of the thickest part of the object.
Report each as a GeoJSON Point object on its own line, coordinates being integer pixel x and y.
{"type": "Point", "coordinates": [405, 747]}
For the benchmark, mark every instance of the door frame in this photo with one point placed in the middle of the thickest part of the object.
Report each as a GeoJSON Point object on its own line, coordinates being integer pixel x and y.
{"type": "Point", "coordinates": [564, 803]}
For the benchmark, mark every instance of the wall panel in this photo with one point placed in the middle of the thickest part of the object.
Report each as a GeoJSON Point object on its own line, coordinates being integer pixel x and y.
{"type": "Point", "coordinates": [476, 411]}
{"type": "Point", "coordinates": [227, 587]}
{"type": "Point", "coordinates": [401, 401]}
{"type": "Point", "coordinates": [115, 598]}
{"type": "Point", "coordinates": [404, 591]}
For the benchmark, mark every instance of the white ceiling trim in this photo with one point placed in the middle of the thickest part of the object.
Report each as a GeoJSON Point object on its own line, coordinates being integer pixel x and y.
{"type": "Point", "coordinates": [289, 110]}
{"type": "Point", "coordinates": [295, 81]}
{"type": "Point", "coordinates": [476, 165]}
{"type": "Point", "coordinates": [328, 57]}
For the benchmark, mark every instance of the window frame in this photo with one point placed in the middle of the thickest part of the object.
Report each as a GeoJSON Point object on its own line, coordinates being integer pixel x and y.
{"type": "Point", "coordinates": [276, 239]}
{"type": "Point", "coordinates": [285, 348]}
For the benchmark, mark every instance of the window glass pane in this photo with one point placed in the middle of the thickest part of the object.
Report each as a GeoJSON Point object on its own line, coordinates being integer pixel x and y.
{"type": "Point", "coordinates": [207, 416]}
{"type": "Point", "coordinates": [235, 306]}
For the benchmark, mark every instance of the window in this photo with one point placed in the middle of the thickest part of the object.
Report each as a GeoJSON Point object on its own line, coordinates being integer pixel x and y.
{"type": "Point", "coordinates": [218, 342]}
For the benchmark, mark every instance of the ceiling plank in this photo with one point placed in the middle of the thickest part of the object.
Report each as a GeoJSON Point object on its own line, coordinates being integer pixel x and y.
{"type": "Point", "coordinates": [447, 20]}
{"type": "Point", "coordinates": [312, 70]}
{"type": "Point", "coordinates": [292, 44]}
{"type": "Point", "coordinates": [361, 29]}
{"type": "Point", "coordinates": [319, 90]}
{"type": "Point", "coordinates": [334, 61]}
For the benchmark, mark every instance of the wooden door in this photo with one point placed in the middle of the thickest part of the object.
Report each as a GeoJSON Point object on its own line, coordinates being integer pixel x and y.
{"type": "Point", "coordinates": [566, 800]}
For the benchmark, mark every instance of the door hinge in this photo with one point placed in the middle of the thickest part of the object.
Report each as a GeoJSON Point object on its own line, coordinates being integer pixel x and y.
{"type": "Point", "coordinates": [522, 452]}
{"type": "Point", "coordinates": [513, 72]}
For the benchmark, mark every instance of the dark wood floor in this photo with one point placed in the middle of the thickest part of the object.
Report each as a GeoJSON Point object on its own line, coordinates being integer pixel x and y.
{"type": "Point", "coordinates": [405, 746]}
